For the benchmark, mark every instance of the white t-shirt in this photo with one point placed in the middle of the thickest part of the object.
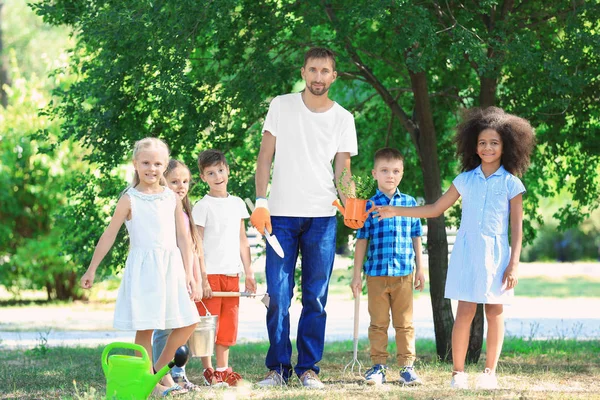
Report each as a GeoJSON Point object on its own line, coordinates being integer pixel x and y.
{"type": "Point", "coordinates": [302, 184]}
{"type": "Point", "coordinates": [221, 218]}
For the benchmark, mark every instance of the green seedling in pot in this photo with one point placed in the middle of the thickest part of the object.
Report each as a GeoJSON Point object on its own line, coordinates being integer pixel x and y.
{"type": "Point", "coordinates": [357, 191]}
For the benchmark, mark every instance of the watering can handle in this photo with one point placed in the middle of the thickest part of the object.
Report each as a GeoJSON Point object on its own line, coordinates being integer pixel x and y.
{"type": "Point", "coordinates": [339, 206]}
{"type": "Point", "coordinates": [122, 345]}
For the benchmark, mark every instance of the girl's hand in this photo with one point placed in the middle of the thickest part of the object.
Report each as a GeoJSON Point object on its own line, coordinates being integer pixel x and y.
{"type": "Point", "coordinates": [206, 289]}
{"type": "Point", "coordinates": [194, 292]}
{"type": "Point", "coordinates": [87, 280]}
{"type": "Point", "coordinates": [199, 292]}
{"type": "Point", "coordinates": [250, 284]}
{"type": "Point", "coordinates": [356, 286]}
{"type": "Point", "coordinates": [382, 212]}
{"type": "Point", "coordinates": [510, 278]}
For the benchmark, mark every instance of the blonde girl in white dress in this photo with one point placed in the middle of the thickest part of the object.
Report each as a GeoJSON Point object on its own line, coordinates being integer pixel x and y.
{"type": "Point", "coordinates": [493, 147]}
{"type": "Point", "coordinates": [158, 288]}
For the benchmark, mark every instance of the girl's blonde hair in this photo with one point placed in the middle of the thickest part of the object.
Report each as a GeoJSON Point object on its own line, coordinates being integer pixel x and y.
{"type": "Point", "coordinates": [146, 144]}
{"type": "Point", "coordinates": [187, 207]}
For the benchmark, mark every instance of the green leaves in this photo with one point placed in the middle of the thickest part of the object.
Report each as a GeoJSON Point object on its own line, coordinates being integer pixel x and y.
{"type": "Point", "coordinates": [359, 186]}
{"type": "Point", "coordinates": [200, 75]}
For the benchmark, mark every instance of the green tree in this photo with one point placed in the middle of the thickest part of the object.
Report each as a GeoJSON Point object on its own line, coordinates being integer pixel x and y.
{"type": "Point", "coordinates": [202, 73]}
{"type": "Point", "coordinates": [34, 170]}
{"type": "Point", "coordinates": [32, 182]}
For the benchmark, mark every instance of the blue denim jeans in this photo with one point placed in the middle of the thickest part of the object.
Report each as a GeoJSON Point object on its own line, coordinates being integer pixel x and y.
{"type": "Point", "coordinates": [315, 239]}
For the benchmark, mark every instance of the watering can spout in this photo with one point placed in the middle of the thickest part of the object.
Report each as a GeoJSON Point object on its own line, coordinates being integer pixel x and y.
{"type": "Point", "coordinates": [339, 206]}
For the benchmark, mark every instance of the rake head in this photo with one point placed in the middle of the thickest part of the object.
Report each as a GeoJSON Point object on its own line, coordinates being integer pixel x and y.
{"type": "Point", "coordinates": [353, 364]}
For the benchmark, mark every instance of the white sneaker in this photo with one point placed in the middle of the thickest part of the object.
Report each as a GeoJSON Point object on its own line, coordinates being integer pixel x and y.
{"type": "Point", "coordinates": [273, 378]}
{"type": "Point", "coordinates": [376, 374]}
{"type": "Point", "coordinates": [460, 380]}
{"type": "Point", "coordinates": [310, 380]}
{"type": "Point", "coordinates": [487, 380]}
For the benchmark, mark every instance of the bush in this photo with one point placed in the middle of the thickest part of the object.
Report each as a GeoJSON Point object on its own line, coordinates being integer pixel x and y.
{"type": "Point", "coordinates": [571, 245]}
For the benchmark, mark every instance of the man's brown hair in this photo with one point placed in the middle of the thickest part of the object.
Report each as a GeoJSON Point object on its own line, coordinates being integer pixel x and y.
{"type": "Point", "coordinates": [320, 52]}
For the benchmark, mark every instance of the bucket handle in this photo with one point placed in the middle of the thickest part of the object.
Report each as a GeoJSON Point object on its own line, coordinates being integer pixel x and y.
{"type": "Point", "coordinates": [208, 314]}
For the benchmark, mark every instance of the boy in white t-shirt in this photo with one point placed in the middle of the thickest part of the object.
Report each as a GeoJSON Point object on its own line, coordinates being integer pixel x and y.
{"type": "Point", "coordinates": [220, 220]}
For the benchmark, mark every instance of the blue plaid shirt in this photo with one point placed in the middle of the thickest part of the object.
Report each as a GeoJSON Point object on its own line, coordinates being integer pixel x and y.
{"type": "Point", "coordinates": [390, 251]}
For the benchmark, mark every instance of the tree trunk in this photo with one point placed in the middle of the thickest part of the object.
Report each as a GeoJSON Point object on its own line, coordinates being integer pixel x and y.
{"type": "Point", "coordinates": [487, 92]}
{"type": "Point", "coordinates": [423, 136]}
{"type": "Point", "coordinates": [3, 73]}
{"type": "Point", "coordinates": [437, 242]}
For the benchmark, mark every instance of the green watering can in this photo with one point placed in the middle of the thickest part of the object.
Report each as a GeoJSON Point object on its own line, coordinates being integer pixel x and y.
{"type": "Point", "coordinates": [130, 377]}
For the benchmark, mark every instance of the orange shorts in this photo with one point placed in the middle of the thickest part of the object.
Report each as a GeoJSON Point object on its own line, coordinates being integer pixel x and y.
{"type": "Point", "coordinates": [225, 307]}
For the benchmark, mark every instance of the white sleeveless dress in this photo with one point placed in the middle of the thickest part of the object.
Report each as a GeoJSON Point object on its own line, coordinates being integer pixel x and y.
{"type": "Point", "coordinates": [153, 292]}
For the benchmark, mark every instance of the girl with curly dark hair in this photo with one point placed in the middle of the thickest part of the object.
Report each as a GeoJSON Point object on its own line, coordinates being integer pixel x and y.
{"type": "Point", "coordinates": [494, 147]}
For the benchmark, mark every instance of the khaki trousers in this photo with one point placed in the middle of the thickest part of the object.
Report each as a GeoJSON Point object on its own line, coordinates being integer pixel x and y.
{"type": "Point", "coordinates": [395, 293]}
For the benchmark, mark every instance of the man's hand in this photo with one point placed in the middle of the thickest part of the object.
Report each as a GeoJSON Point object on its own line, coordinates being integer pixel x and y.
{"type": "Point", "coordinates": [261, 217]}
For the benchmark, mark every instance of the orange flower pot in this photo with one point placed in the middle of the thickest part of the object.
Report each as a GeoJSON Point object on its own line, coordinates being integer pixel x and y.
{"type": "Point", "coordinates": [355, 209]}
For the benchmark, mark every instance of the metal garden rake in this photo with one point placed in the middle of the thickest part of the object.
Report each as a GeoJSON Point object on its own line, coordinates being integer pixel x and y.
{"type": "Point", "coordinates": [355, 362]}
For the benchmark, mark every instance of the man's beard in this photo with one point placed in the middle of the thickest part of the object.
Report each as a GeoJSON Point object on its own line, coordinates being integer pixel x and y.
{"type": "Point", "coordinates": [319, 92]}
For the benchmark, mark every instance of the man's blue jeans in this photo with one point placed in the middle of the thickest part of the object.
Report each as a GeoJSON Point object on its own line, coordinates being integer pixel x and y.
{"type": "Point", "coordinates": [314, 238]}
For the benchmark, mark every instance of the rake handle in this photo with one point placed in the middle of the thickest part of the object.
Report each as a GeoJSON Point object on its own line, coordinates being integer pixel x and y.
{"type": "Point", "coordinates": [356, 315]}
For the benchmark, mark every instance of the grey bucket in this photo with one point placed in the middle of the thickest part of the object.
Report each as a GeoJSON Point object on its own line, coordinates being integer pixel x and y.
{"type": "Point", "coordinates": [202, 341]}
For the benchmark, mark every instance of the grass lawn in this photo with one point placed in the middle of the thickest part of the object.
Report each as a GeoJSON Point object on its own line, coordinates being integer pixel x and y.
{"type": "Point", "coordinates": [577, 286]}
{"type": "Point", "coordinates": [561, 369]}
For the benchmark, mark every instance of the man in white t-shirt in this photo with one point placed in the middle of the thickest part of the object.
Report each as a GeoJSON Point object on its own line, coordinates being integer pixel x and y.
{"type": "Point", "coordinates": [302, 135]}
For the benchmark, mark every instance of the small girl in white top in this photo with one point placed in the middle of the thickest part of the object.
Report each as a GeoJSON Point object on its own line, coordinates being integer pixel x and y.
{"type": "Point", "coordinates": [157, 289]}
{"type": "Point", "coordinates": [494, 147]}
{"type": "Point", "coordinates": [178, 179]}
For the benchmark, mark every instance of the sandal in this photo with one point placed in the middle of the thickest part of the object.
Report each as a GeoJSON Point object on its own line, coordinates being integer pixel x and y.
{"type": "Point", "coordinates": [187, 385]}
{"type": "Point", "coordinates": [174, 391]}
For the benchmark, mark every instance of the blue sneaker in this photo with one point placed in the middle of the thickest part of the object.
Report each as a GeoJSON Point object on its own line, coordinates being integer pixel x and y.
{"type": "Point", "coordinates": [408, 376]}
{"type": "Point", "coordinates": [376, 374]}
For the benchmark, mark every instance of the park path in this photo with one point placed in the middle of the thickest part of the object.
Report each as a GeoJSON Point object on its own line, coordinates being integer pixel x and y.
{"type": "Point", "coordinates": [91, 324]}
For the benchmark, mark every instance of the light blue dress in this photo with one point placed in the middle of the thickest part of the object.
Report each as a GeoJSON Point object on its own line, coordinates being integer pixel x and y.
{"type": "Point", "coordinates": [482, 250]}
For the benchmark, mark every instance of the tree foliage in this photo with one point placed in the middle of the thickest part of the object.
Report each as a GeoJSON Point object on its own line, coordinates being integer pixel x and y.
{"type": "Point", "coordinates": [33, 171]}
{"type": "Point", "coordinates": [32, 182]}
{"type": "Point", "coordinates": [200, 74]}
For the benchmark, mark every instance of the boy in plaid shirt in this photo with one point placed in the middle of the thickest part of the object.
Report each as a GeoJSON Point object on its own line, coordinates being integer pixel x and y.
{"type": "Point", "coordinates": [393, 247]}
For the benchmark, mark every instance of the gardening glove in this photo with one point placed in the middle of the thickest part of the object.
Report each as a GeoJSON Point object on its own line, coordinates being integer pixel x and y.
{"type": "Point", "coordinates": [261, 218]}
